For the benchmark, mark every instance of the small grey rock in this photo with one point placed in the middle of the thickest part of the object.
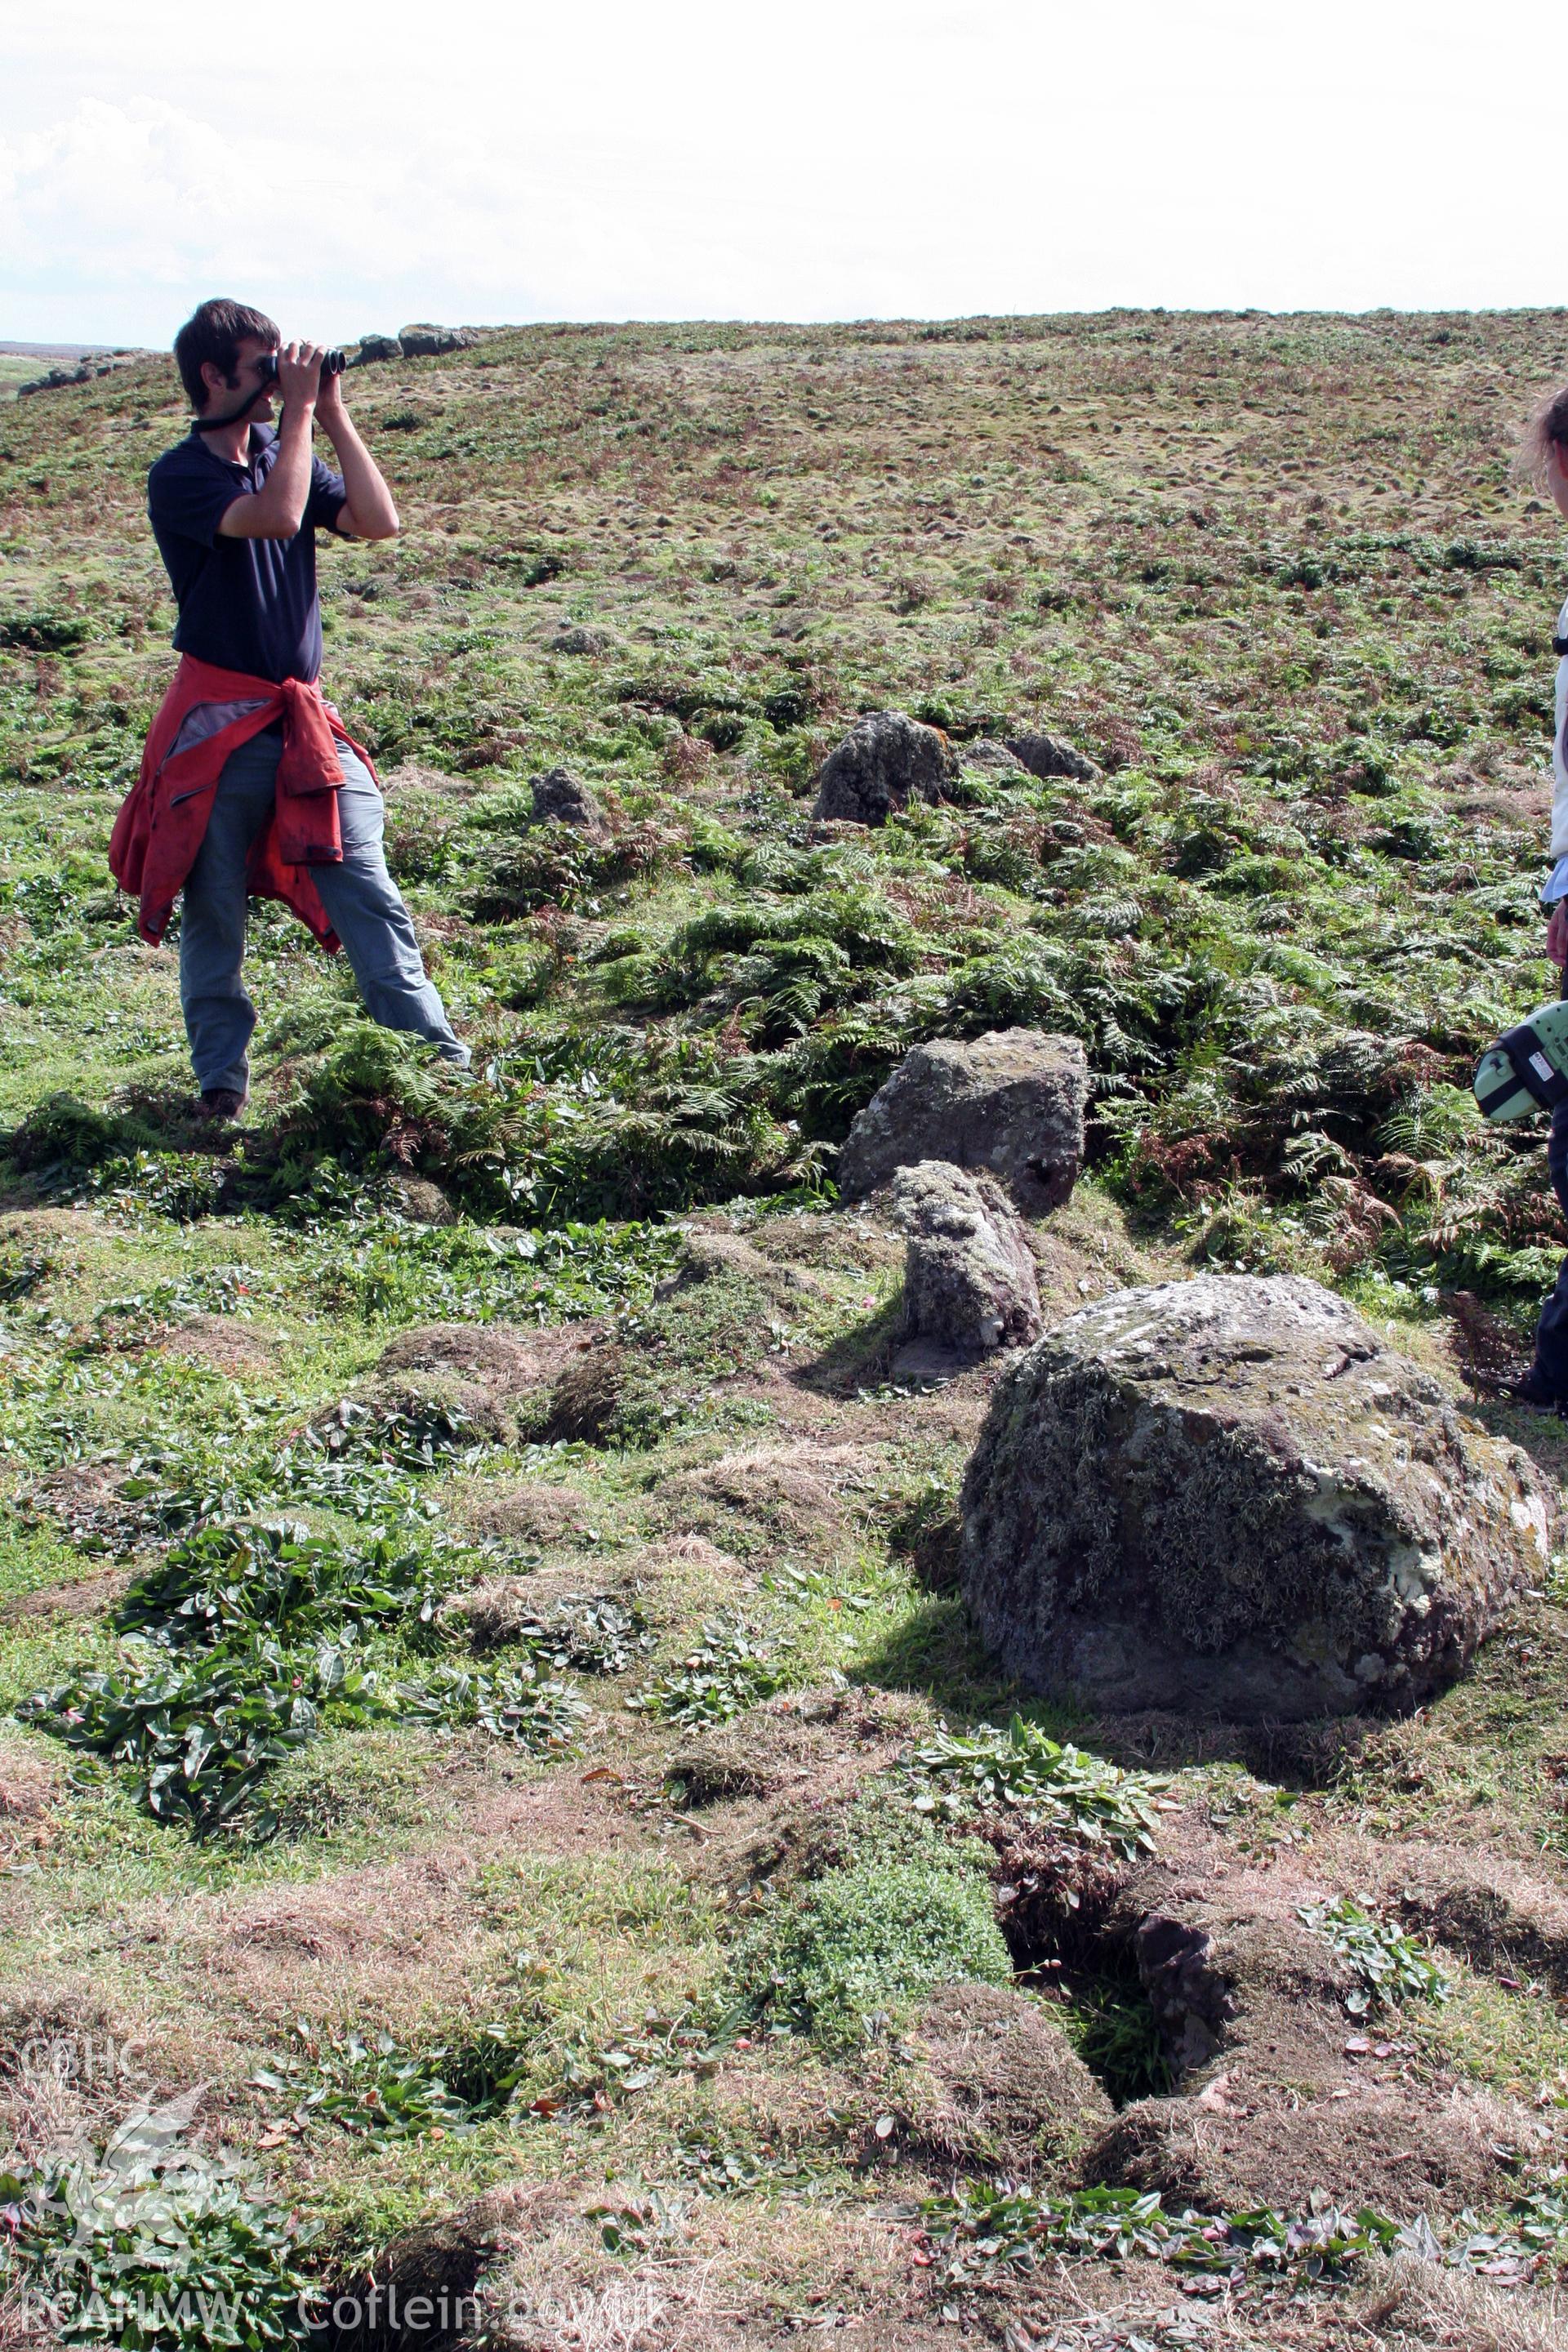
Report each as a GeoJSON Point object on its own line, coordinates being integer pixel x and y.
{"type": "Point", "coordinates": [1051, 755]}
{"type": "Point", "coordinates": [372, 348]}
{"type": "Point", "coordinates": [996, 759]}
{"type": "Point", "coordinates": [561, 798]}
{"type": "Point", "coordinates": [1011, 1102]}
{"type": "Point", "coordinates": [970, 1283]}
{"type": "Point", "coordinates": [420, 1201]}
{"type": "Point", "coordinates": [886, 760]}
{"type": "Point", "coordinates": [1229, 1497]}
{"type": "Point", "coordinates": [579, 639]}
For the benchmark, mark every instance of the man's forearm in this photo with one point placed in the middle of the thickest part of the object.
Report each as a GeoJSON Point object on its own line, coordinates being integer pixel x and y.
{"type": "Point", "coordinates": [278, 509]}
{"type": "Point", "coordinates": [369, 505]}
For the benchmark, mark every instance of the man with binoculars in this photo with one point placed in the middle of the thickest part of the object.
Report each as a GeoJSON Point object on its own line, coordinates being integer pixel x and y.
{"type": "Point", "coordinates": [250, 785]}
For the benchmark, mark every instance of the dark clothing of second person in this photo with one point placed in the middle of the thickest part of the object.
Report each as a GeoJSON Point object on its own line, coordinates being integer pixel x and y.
{"type": "Point", "coordinates": [245, 603]}
{"type": "Point", "coordinates": [1551, 1331]}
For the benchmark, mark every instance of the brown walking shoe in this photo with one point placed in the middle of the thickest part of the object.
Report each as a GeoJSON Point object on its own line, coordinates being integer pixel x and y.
{"type": "Point", "coordinates": [220, 1104]}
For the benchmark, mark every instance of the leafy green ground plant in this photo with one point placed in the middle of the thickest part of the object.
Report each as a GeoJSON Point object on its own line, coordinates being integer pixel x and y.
{"type": "Point", "coordinates": [1390, 1965]}
{"type": "Point", "coordinates": [727, 1671]}
{"type": "Point", "coordinates": [1053, 1786]}
{"type": "Point", "coordinates": [156, 2246]}
{"type": "Point", "coordinates": [584, 1634]}
{"type": "Point", "coordinates": [374, 2087]}
{"type": "Point", "coordinates": [199, 1731]}
{"type": "Point", "coordinates": [275, 1578]}
{"type": "Point", "coordinates": [248, 1640]}
{"type": "Point", "coordinates": [983, 2231]}
{"type": "Point", "coordinates": [513, 1704]}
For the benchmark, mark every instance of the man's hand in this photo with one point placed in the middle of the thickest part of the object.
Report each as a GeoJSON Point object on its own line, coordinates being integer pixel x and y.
{"type": "Point", "coordinates": [332, 408]}
{"type": "Point", "coordinates": [278, 510]}
{"type": "Point", "coordinates": [369, 512]}
{"type": "Point", "coordinates": [1557, 933]}
{"type": "Point", "coordinates": [299, 375]}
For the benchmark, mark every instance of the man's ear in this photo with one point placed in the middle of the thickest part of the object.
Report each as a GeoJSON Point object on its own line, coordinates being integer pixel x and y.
{"type": "Point", "coordinates": [214, 380]}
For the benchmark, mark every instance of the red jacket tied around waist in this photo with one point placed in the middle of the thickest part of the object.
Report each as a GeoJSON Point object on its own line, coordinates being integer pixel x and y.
{"type": "Point", "coordinates": [206, 714]}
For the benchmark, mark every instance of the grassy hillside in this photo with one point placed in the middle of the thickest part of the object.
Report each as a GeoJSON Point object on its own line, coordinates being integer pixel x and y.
{"type": "Point", "coordinates": [524, 1850]}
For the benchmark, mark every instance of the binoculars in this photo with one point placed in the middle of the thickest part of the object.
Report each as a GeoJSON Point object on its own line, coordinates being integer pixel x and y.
{"type": "Point", "coordinates": [332, 363]}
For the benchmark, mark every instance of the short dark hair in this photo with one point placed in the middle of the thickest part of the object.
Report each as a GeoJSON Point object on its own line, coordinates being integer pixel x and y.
{"type": "Point", "coordinates": [214, 332]}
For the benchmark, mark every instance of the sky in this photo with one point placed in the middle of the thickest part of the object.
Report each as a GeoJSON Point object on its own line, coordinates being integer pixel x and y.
{"type": "Point", "coordinates": [360, 163]}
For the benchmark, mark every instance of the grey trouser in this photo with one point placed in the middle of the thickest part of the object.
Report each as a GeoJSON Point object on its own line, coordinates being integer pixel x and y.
{"type": "Point", "coordinates": [362, 902]}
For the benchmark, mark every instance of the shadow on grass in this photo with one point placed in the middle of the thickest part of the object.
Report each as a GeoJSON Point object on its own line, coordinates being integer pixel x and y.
{"type": "Point", "coordinates": [934, 1650]}
{"type": "Point", "coordinates": [858, 1358]}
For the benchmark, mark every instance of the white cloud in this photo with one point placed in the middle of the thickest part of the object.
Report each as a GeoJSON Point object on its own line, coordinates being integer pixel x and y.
{"type": "Point", "coordinates": [374, 159]}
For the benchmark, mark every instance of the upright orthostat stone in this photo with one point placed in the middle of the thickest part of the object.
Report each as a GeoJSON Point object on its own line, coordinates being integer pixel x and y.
{"type": "Point", "coordinates": [561, 798]}
{"type": "Point", "coordinates": [970, 1282]}
{"type": "Point", "coordinates": [1010, 1102]}
{"type": "Point", "coordinates": [1229, 1497]}
{"type": "Point", "coordinates": [886, 760]}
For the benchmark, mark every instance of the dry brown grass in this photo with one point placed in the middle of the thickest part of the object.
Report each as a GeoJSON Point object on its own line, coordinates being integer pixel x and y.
{"type": "Point", "coordinates": [222, 1344]}
{"type": "Point", "coordinates": [737, 2273]}
{"type": "Point", "coordinates": [30, 1787]}
{"type": "Point", "coordinates": [800, 1494]}
{"type": "Point", "coordinates": [524, 1510]}
{"type": "Point", "coordinates": [1418, 2307]}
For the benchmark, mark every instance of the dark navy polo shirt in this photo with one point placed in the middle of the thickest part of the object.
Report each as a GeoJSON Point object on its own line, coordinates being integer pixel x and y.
{"type": "Point", "coordinates": [245, 603]}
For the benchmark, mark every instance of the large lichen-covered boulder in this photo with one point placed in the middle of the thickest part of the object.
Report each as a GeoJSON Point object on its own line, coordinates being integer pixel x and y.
{"type": "Point", "coordinates": [1229, 1496]}
{"type": "Point", "coordinates": [970, 1281]}
{"type": "Point", "coordinates": [1010, 1102]}
{"type": "Point", "coordinates": [886, 760]}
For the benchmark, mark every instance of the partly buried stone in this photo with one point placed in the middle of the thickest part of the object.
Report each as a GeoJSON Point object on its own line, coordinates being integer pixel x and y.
{"type": "Point", "coordinates": [886, 760]}
{"type": "Point", "coordinates": [1229, 1497]}
{"type": "Point", "coordinates": [1051, 755]}
{"type": "Point", "coordinates": [373, 348]}
{"type": "Point", "coordinates": [970, 1283]}
{"type": "Point", "coordinates": [580, 637]}
{"type": "Point", "coordinates": [1010, 1102]}
{"type": "Point", "coordinates": [992, 757]}
{"type": "Point", "coordinates": [420, 1201]}
{"type": "Point", "coordinates": [561, 798]}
